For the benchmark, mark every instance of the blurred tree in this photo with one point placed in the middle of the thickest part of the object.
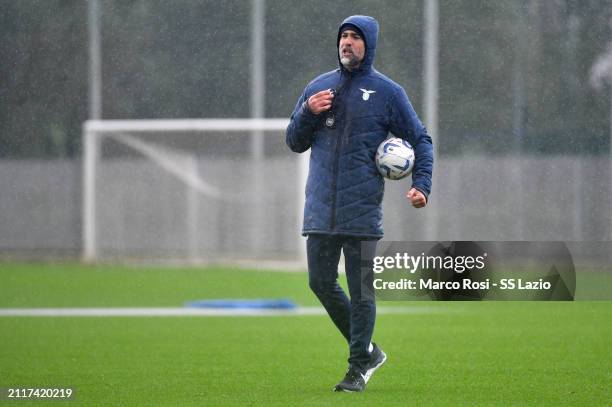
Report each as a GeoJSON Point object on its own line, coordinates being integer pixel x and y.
{"type": "Point", "coordinates": [191, 58]}
{"type": "Point", "coordinates": [43, 77]}
{"type": "Point", "coordinates": [565, 114]}
{"type": "Point", "coordinates": [170, 60]}
{"type": "Point", "coordinates": [476, 61]}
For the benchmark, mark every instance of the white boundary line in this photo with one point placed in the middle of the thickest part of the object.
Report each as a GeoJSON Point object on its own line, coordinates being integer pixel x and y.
{"type": "Point", "coordinates": [179, 312]}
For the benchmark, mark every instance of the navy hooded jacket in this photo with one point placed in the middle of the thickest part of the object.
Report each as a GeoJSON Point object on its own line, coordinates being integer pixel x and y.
{"type": "Point", "coordinates": [344, 190]}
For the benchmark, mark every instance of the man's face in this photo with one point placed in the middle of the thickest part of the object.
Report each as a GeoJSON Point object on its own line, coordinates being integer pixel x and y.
{"type": "Point", "coordinates": [351, 49]}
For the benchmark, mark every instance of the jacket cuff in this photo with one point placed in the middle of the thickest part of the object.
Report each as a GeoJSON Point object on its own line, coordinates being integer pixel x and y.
{"type": "Point", "coordinates": [307, 115]}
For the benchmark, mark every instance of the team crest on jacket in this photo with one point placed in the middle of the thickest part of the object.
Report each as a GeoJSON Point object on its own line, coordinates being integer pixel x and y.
{"type": "Point", "coordinates": [366, 93]}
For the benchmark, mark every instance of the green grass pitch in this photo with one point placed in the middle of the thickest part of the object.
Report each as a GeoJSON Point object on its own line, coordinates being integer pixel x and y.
{"type": "Point", "coordinates": [459, 353]}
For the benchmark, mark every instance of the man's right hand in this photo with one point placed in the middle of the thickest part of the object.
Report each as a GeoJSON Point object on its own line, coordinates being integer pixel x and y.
{"type": "Point", "coordinates": [320, 102]}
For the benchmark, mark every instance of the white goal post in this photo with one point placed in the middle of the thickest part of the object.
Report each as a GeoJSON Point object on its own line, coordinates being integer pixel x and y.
{"type": "Point", "coordinates": [152, 154]}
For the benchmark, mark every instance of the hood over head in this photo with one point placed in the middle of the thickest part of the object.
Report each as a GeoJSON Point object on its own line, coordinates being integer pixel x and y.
{"type": "Point", "coordinates": [369, 30]}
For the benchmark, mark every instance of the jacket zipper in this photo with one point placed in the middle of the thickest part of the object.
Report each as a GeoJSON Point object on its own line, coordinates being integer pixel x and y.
{"type": "Point", "coordinates": [337, 156]}
{"type": "Point", "coordinates": [334, 185]}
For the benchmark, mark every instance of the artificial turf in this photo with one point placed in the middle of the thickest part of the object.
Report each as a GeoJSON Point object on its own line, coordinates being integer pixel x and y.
{"type": "Point", "coordinates": [457, 353]}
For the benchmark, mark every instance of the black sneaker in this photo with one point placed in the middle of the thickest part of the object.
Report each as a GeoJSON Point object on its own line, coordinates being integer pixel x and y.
{"type": "Point", "coordinates": [354, 381]}
{"type": "Point", "coordinates": [377, 358]}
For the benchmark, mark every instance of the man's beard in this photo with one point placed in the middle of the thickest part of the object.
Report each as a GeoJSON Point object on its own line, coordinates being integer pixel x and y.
{"type": "Point", "coordinates": [349, 61]}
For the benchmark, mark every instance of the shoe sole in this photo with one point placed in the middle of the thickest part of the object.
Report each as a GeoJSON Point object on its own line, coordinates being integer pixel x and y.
{"type": "Point", "coordinates": [371, 371]}
{"type": "Point", "coordinates": [340, 389]}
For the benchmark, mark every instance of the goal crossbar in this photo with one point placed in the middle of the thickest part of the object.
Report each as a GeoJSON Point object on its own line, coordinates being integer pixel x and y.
{"type": "Point", "coordinates": [96, 130]}
{"type": "Point", "coordinates": [166, 125]}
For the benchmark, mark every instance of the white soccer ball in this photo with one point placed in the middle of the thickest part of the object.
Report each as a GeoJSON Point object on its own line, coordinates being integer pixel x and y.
{"type": "Point", "coordinates": [395, 158]}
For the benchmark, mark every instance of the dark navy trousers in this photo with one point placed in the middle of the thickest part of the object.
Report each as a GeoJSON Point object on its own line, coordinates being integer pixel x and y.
{"type": "Point", "coordinates": [355, 317]}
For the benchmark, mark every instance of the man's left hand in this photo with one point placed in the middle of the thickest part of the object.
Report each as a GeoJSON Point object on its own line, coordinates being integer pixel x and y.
{"type": "Point", "coordinates": [416, 198]}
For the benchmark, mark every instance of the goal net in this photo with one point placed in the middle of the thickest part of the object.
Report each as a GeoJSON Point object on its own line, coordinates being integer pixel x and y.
{"type": "Point", "coordinates": [191, 190]}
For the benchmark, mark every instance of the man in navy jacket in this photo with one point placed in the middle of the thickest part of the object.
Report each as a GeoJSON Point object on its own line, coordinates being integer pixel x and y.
{"type": "Point", "coordinates": [342, 116]}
